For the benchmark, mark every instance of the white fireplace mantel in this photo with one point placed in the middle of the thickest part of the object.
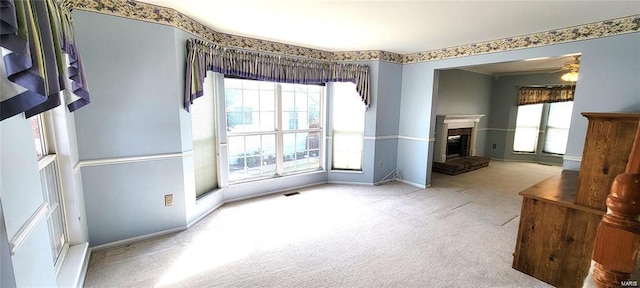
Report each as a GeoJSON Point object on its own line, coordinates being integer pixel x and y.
{"type": "Point", "coordinates": [446, 122]}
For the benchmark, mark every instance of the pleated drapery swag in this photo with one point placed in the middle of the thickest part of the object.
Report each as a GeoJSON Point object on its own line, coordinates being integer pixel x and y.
{"type": "Point", "coordinates": [203, 57]}
{"type": "Point", "coordinates": [536, 95]}
{"type": "Point", "coordinates": [33, 36]}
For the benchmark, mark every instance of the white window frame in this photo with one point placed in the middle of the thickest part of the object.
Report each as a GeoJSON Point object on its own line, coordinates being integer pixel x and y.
{"type": "Point", "coordinates": [51, 182]}
{"type": "Point", "coordinates": [279, 132]}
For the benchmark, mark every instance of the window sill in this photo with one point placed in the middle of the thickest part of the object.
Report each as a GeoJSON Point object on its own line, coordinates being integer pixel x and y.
{"type": "Point", "coordinates": [552, 155]}
{"type": "Point", "coordinates": [74, 266]}
{"type": "Point", "coordinates": [275, 177]}
{"type": "Point", "coordinates": [523, 153]}
{"type": "Point", "coordinates": [543, 154]}
{"type": "Point", "coordinates": [347, 171]}
{"type": "Point", "coordinates": [208, 194]}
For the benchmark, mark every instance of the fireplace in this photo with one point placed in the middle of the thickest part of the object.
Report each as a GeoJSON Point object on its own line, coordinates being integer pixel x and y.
{"type": "Point", "coordinates": [458, 143]}
{"type": "Point", "coordinates": [455, 136]}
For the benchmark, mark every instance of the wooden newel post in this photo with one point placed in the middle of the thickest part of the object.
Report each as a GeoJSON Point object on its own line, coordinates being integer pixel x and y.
{"type": "Point", "coordinates": [617, 239]}
{"type": "Point", "coordinates": [618, 235]}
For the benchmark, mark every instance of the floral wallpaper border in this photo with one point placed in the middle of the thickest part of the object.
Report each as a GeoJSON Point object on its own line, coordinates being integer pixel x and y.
{"type": "Point", "coordinates": [168, 16]}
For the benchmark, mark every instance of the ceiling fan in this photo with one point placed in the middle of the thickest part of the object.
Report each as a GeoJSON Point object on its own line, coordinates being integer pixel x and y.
{"type": "Point", "coordinates": [573, 65]}
{"type": "Point", "coordinates": [572, 68]}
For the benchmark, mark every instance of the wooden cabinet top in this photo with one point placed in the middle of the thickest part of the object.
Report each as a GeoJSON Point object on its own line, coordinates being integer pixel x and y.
{"type": "Point", "coordinates": [559, 189]}
{"type": "Point", "coordinates": [620, 116]}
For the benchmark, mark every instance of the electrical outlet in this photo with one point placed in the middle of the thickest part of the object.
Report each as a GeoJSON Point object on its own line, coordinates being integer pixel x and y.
{"type": "Point", "coordinates": [494, 146]}
{"type": "Point", "coordinates": [168, 200]}
{"type": "Point", "coordinates": [380, 163]}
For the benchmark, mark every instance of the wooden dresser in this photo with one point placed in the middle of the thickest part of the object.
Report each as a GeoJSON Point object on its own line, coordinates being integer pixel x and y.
{"type": "Point", "coordinates": [560, 215]}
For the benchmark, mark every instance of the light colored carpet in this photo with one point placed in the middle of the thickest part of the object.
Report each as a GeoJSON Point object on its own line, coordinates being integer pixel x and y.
{"type": "Point", "coordinates": [459, 232]}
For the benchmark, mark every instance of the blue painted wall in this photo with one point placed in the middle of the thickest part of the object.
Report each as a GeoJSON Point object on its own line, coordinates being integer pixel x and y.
{"type": "Point", "coordinates": [464, 92]}
{"type": "Point", "coordinates": [389, 83]}
{"type": "Point", "coordinates": [136, 85]}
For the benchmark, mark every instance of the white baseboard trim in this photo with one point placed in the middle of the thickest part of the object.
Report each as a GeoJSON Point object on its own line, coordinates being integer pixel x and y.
{"type": "Point", "coordinates": [413, 184]}
{"type": "Point", "coordinates": [572, 158]}
{"type": "Point", "coordinates": [273, 192]}
{"type": "Point", "coordinates": [350, 183]}
{"type": "Point", "coordinates": [137, 238]}
{"type": "Point", "coordinates": [204, 215]}
{"type": "Point", "coordinates": [526, 161]}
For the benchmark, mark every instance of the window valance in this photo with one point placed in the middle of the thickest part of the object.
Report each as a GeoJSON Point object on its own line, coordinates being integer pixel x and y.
{"type": "Point", "coordinates": [33, 37]}
{"type": "Point", "coordinates": [536, 95]}
{"type": "Point", "coordinates": [203, 56]}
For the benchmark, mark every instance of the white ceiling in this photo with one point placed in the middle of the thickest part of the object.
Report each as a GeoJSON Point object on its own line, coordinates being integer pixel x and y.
{"type": "Point", "coordinates": [392, 25]}
{"type": "Point", "coordinates": [400, 26]}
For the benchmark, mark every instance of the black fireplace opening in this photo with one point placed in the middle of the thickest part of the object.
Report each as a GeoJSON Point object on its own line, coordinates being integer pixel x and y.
{"type": "Point", "coordinates": [457, 146]}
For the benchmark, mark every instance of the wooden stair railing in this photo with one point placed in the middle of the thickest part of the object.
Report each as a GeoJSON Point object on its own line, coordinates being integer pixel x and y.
{"type": "Point", "coordinates": [618, 236]}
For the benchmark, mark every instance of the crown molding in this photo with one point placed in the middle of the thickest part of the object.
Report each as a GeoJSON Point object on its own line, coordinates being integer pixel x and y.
{"type": "Point", "coordinates": [168, 16]}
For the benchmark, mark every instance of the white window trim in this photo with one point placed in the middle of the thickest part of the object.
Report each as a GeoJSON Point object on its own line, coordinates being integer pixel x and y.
{"type": "Point", "coordinates": [51, 158]}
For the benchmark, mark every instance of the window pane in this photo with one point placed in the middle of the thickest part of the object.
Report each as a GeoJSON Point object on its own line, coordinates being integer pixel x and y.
{"type": "Point", "coordinates": [251, 98]}
{"type": "Point", "coordinates": [288, 147]}
{"type": "Point", "coordinates": [346, 105]}
{"type": "Point", "coordinates": [558, 124]}
{"type": "Point", "coordinates": [267, 121]}
{"type": "Point", "coordinates": [288, 103]}
{"type": "Point", "coordinates": [301, 101]}
{"type": "Point", "coordinates": [236, 153]}
{"type": "Point", "coordinates": [527, 127]}
{"type": "Point", "coordinates": [313, 153]}
{"type": "Point", "coordinates": [301, 151]}
{"type": "Point", "coordinates": [38, 135]}
{"type": "Point", "coordinates": [348, 127]}
{"type": "Point", "coordinates": [560, 114]}
{"type": "Point", "coordinates": [267, 100]}
{"type": "Point", "coordinates": [556, 141]}
{"type": "Point", "coordinates": [525, 139]}
{"type": "Point", "coordinates": [347, 150]}
{"type": "Point", "coordinates": [233, 97]}
{"type": "Point", "coordinates": [251, 156]}
{"type": "Point", "coordinates": [303, 120]}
